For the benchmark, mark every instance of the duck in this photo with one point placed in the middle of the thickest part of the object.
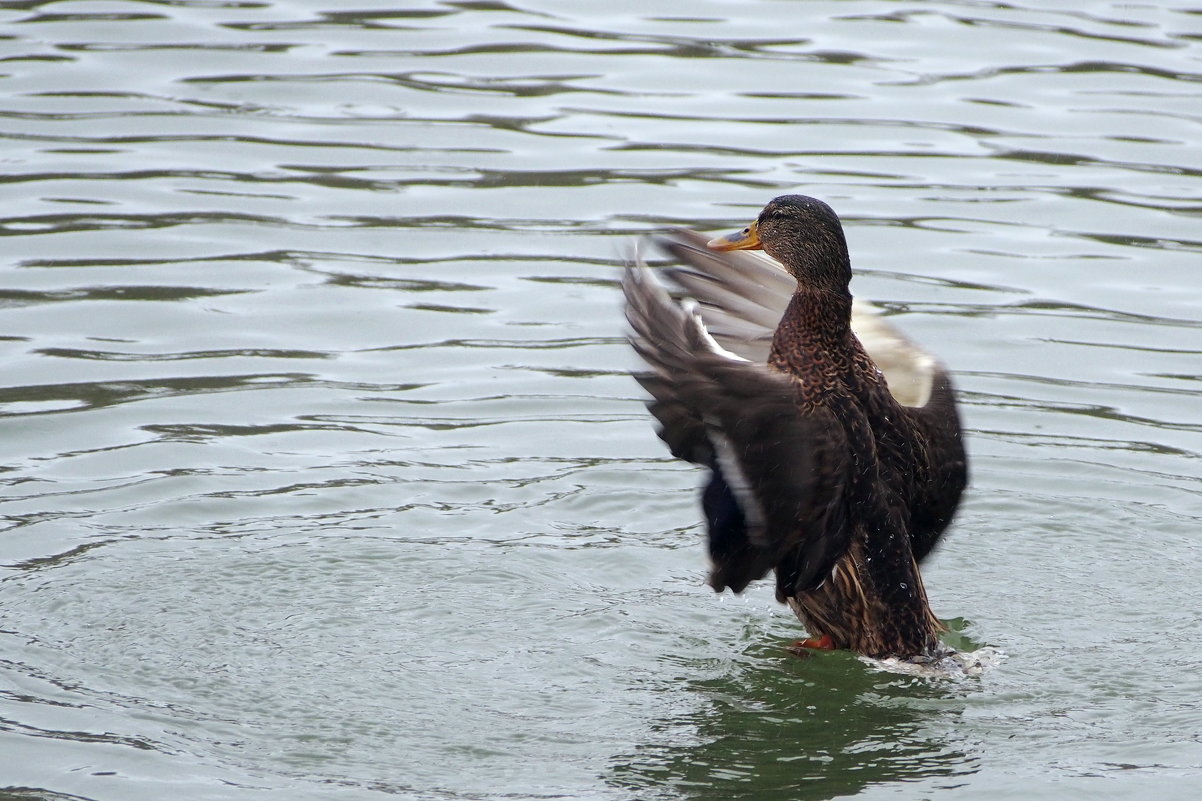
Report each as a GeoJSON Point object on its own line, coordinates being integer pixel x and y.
{"type": "Point", "coordinates": [833, 442]}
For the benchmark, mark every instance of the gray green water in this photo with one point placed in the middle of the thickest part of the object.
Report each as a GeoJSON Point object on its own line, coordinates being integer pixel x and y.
{"type": "Point", "coordinates": [322, 476]}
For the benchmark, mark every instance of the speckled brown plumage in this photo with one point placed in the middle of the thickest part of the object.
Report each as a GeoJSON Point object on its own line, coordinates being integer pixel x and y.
{"type": "Point", "coordinates": [817, 472]}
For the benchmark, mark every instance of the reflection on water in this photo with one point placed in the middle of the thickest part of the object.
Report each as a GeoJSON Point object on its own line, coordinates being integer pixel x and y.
{"type": "Point", "coordinates": [786, 727]}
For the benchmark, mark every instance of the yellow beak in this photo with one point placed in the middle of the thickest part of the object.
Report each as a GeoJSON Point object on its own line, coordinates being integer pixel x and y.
{"type": "Point", "coordinates": [747, 239]}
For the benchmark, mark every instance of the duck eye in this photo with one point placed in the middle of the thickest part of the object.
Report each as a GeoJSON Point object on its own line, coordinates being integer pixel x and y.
{"type": "Point", "coordinates": [747, 230]}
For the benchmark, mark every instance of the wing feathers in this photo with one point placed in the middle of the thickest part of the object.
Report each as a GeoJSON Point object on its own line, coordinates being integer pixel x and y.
{"type": "Point", "coordinates": [786, 471]}
{"type": "Point", "coordinates": [743, 295]}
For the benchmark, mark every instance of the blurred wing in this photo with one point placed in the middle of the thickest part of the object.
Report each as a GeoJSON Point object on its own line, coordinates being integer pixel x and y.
{"type": "Point", "coordinates": [743, 294]}
{"type": "Point", "coordinates": [920, 384]}
{"type": "Point", "coordinates": [935, 501]}
{"type": "Point", "coordinates": [786, 472]}
{"type": "Point", "coordinates": [741, 298]}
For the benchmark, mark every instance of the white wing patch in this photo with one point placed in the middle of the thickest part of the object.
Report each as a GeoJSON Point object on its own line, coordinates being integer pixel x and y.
{"type": "Point", "coordinates": [736, 479]}
{"type": "Point", "coordinates": [691, 308]}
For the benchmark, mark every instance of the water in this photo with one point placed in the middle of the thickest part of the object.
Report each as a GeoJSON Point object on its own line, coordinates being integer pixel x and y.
{"type": "Point", "coordinates": [323, 477]}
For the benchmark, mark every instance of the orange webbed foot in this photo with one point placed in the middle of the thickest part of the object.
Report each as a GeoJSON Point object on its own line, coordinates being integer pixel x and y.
{"type": "Point", "coordinates": [823, 643]}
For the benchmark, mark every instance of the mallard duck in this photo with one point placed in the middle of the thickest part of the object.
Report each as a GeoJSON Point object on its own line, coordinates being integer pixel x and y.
{"type": "Point", "coordinates": [833, 442]}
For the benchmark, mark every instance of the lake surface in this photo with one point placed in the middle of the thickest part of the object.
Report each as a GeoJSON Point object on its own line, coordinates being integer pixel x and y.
{"type": "Point", "coordinates": [323, 476]}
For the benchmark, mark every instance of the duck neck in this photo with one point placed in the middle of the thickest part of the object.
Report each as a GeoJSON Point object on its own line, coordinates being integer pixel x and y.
{"type": "Point", "coordinates": [814, 335]}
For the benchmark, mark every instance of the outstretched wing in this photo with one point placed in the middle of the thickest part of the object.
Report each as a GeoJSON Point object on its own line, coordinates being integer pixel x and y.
{"type": "Point", "coordinates": [780, 477]}
{"type": "Point", "coordinates": [935, 500]}
{"type": "Point", "coordinates": [741, 296]}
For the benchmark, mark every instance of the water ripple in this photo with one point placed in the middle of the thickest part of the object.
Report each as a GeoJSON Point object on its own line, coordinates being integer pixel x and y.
{"type": "Point", "coordinates": [317, 419]}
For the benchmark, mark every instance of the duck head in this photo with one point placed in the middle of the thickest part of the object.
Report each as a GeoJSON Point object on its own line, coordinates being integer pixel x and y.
{"type": "Point", "coordinates": [804, 235]}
